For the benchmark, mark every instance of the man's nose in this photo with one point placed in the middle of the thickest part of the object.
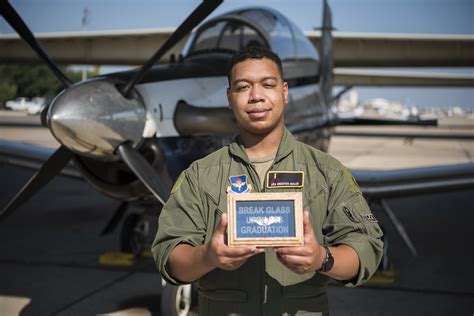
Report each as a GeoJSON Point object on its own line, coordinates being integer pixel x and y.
{"type": "Point", "coordinates": [256, 94]}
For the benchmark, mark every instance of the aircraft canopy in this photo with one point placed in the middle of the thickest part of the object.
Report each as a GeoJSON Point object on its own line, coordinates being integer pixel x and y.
{"type": "Point", "coordinates": [257, 27]}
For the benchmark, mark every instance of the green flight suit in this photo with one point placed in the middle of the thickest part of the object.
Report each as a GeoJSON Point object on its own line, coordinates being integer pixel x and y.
{"type": "Point", "coordinates": [263, 286]}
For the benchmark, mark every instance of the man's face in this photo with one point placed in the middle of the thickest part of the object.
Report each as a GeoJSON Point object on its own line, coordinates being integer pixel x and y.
{"type": "Point", "coordinates": [257, 95]}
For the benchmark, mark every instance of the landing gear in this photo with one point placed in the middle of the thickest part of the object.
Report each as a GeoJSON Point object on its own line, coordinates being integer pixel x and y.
{"type": "Point", "coordinates": [136, 237]}
{"type": "Point", "coordinates": [138, 229]}
{"type": "Point", "coordinates": [136, 234]}
{"type": "Point", "coordinates": [178, 300]}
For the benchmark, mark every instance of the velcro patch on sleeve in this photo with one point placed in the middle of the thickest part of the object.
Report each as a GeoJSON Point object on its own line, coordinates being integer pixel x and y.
{"type": "Point", "coordinates": [178, 182]}
{"type": "Point", "coordinates": [353, 186]}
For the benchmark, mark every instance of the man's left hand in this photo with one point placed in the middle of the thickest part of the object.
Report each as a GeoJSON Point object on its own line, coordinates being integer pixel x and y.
{"type": "Point", "coordinates": [306, 258]}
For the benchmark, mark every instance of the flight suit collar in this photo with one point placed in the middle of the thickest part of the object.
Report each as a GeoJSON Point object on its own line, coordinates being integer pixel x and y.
{"type": "Point", "coordinates": [287, 144]}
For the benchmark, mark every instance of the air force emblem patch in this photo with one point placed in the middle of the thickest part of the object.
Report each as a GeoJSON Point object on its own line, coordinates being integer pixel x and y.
{"type": "Point", "coordinates": [239, 184]}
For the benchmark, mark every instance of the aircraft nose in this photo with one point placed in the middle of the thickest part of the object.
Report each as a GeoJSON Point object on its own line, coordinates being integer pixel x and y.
{"type": "Point", "coordinates": [92, 118]}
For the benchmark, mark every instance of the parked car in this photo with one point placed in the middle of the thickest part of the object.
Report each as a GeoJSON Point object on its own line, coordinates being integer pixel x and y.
{"type": "Point", "coordinates": [32, 107]}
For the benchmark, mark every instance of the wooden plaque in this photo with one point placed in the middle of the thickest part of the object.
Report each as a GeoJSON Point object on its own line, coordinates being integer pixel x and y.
{"type": "Point", "coordinates": [265, 219]}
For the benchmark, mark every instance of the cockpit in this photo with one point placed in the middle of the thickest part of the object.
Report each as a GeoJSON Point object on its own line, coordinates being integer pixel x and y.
{"type": "Point", "coordinates": [265, 27]}
{"type": "Point", "coordinates": [227, 36]}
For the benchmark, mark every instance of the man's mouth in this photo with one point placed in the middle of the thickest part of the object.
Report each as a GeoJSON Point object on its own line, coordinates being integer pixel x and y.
{"type": "Point", "coordinates": [258, 113]}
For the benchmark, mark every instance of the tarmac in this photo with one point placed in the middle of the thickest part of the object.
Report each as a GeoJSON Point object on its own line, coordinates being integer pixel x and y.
{"type": "Point", "coordinates": [51, 249]}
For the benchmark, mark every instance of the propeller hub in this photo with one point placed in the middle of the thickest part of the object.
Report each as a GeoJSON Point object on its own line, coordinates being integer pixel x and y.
{"type": "Point", "coordinates": [93, 118]}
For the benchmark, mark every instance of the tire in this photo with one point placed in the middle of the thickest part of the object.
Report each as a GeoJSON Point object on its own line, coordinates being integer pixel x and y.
{"type": "Point", "coordinates": [176, 300]}
{"type": "Point", "coordinates": [134, 234]}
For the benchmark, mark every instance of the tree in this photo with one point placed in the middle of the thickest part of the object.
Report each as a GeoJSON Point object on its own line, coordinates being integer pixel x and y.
{"type": "Point", "coordinates": [28, 80]}
{"type": "Point", "coordinates": [7, 91]}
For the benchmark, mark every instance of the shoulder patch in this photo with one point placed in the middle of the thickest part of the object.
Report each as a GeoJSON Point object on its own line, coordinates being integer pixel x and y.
{"type": "Point", "coordinates": [178, 182]}
{"type": "Point", "coordinates": [353, 186]}
{"type": "Point", "coordinates": [371, 218]}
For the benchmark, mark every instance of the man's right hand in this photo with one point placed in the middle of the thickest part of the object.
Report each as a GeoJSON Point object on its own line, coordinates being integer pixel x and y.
{"type": "Point", "coordinates": [224, 257]}
{"type": "Point", "coordinates": [188, 263]}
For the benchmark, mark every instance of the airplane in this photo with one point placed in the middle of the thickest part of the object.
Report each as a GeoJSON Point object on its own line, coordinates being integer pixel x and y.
{"type": "Point", "coordinates": [131, 133]}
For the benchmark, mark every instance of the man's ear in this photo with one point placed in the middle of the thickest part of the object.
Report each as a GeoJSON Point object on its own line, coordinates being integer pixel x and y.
{"type": "Point", "coordinates": [285, 91]}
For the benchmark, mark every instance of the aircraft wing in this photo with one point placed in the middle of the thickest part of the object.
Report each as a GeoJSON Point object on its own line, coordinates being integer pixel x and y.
{"type": "Point", "coordinates": [414, 181]}
{"type": "Point", "coordinates": [377, 186]}
{"type": "Point", "coordinates": [115, 47]}
{"type": "Point", "coordinates": [399, 50]}
{"type": "Point", "coordinates": [31, 156]}
{"type": "Point", "coordinates": [351, 49]}
{"type": "Point", "coordinates": [373, 184]}
{"type": "Point", "coordinates": [365, 77]}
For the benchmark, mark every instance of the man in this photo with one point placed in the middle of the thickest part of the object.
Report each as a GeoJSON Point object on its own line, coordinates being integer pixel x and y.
{"type": "Point", "coordinates": [341, 238]}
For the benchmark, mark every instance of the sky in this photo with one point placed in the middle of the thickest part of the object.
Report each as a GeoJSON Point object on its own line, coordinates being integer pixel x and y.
{"type": "Point", "coordinates": [387, 16]}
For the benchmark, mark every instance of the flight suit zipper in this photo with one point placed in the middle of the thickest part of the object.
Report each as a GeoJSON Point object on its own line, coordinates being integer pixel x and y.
{"type": "Point", "coordinates": [264, 281]}
{"type": "Point", "coordinates": [254, 177]}
{"type": "Point", "coordinates": [263, 287]}
{"type": "Point", "coordinates": [257, 183]}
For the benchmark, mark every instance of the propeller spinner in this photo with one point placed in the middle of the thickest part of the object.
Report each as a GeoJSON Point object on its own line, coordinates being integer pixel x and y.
{"type": "Point", "coordinates": [93, 118]}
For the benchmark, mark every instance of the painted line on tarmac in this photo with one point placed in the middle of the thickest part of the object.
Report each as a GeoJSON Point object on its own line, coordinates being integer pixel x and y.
{"type": "Point", "coordinates": [123, 259]}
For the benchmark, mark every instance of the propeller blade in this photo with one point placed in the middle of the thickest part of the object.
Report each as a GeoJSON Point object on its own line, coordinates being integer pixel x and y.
{"type": "Point", "coordinates": [142, 169]}
{"type": "Point", "coordinates": [22, 29]}
{"type": "Point", "coordinates": [199, 14]}
{"type": "Point", "coordinates": [48, 170]}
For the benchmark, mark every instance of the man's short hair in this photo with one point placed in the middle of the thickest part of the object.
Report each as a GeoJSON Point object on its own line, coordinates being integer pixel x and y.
{"type": "Point", "coordinates": [254, 52]}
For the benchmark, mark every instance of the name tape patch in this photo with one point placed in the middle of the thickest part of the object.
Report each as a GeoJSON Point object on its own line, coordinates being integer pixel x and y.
{"type": "Point", "coordinates": [285, 179]}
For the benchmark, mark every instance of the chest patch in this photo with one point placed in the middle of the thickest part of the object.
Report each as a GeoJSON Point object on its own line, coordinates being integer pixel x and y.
{"type": "Point", "coordinates": [285, 179]}
{"type": "Point", "coordinates": [239, 184]}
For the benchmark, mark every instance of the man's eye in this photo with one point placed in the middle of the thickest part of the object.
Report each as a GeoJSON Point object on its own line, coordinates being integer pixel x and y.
{"type": "Point", "coordinates": [242, 88]}
{"type": "Point", "coordinates": [269, 85]}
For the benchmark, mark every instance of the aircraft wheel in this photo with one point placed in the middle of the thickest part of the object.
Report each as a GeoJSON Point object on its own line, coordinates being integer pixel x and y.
{"type": "Point", "coordinates": [135, 231]}
{"type": "Point", "coordinates": [176, 300]}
